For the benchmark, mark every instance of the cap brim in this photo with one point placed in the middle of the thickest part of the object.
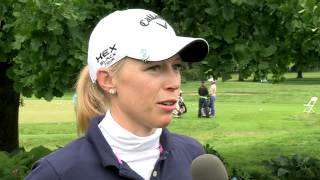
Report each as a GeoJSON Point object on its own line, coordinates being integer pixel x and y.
{"type": "Point", "coordinates": [190, 49]}
{"type": "Point", "coordinates": [194, 50]}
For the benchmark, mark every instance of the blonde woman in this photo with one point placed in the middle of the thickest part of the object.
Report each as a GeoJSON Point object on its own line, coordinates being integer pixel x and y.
{"type": "Point", "coordinates": [125, 99]}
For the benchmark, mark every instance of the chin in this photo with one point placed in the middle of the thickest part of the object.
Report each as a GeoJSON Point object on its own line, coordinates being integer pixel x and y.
{"type": "Point", "coordinates": [164, 121]}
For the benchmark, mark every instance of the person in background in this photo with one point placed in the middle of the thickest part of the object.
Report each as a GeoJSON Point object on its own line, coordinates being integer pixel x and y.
{"type": "Point", "coordinates": [212, 96]}
{"type": "Point", "coordinates": [181, 107]}
{"type": "Point", "coordinates": [203, 100]}
{"type": "Point", "coordinates": [125, 98]}
{"type": "Point", "coordinates": [74, 99]}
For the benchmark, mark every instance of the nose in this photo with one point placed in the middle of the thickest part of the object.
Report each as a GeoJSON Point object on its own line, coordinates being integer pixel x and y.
{"type": "Point", "coordinates": [173, 80]}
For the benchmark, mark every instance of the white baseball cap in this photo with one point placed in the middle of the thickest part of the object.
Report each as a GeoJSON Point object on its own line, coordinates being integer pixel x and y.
{"type": "Point", "coordinates": [142, 35]}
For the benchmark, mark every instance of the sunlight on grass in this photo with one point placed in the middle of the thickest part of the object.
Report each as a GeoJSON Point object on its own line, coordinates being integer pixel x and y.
{"type": "Point", "coordinates": [41, 111]}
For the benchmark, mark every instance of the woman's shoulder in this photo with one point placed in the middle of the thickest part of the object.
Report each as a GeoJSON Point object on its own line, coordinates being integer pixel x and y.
{"type": "Point", "coordinates": [63, 159]}
{"type": "Point", "coordinates": [185, 147]}
{"type": "Point", "coordinates": [182, 140]}
{"type": "Point", "coordinates": [72, 148]}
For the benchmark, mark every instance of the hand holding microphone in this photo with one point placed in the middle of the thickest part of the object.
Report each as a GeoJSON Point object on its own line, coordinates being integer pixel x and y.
{"type": "Point", "coordinates": [208, 167]}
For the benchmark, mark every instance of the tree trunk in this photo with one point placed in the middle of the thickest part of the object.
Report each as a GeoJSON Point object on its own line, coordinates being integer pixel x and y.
{"type": "Point", "coordinates": [299, 74]}
{"type": "Point", "coordinates": [9, 110]}
{"type": "Point", "coordinates": [240, 77]}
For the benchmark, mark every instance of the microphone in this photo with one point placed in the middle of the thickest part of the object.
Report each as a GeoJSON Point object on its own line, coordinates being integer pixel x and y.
{"type": "Point", "coordinates": [208, 167]}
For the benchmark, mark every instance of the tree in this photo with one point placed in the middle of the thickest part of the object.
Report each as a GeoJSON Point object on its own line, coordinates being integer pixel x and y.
{"type": "Point", "coordinates": [8, 97]}
{"type": "Point", "coordinates": [304, 34]}
{"type": "Point", "coordinates": [252, 37]}
{"type": "Point", "coordinates": [43, 47]}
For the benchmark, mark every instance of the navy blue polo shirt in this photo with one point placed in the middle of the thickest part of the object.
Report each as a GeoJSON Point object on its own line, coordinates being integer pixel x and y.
{"type": "Point", "coordinates": [91, 158]}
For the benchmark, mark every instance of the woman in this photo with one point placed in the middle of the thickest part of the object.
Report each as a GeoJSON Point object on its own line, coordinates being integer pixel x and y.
{"type": "Point", "coordinates": [212, 96]}
{"type": "Point", "coordinates": [126, 96]}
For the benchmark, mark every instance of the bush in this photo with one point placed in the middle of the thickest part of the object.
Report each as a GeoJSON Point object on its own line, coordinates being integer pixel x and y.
{"type": "Point", "coordinates": [234, 172]}
{"type": "Point", "coordinates": [297, 167]}
{"type": "Point", "coordinates": [16, 165]}
{"type": "Point", "coordinates": [210, 150]}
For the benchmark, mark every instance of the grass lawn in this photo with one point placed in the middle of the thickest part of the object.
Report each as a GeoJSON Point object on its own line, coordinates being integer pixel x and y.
{"type": "Point", "coordinates": [254, 122]}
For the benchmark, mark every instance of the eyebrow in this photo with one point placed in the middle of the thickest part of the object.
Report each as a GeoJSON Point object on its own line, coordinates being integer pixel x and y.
{"type": "Point", "coordinates": [176, 58]}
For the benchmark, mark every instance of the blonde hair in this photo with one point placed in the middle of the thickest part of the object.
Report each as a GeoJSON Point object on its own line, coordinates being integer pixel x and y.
{"type": "Point", "coordinates": [91, 101]}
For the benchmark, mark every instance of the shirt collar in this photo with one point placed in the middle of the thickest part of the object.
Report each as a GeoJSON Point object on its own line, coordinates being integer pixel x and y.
{"type": "Point", "coordinates": [104, 151]}
{"type": "Point", "coordinates": [99, 143]}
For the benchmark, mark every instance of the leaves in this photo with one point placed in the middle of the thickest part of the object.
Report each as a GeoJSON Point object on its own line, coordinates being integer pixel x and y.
{"type": "Point", "coordinates": [19, 39]}
{"type": "Point", "coordinates": [228, 13]}
{"type": "Point", "coordinates": [213, 8]}
{"type": "Point", "coordinates": [47, 36]}
{"type": "Point", "coordinates": [295, 167]}
{"type": "Point", "coordinates": [16, 165]}
{"type": "Point", "coordinates": [268, 51]}
{"type": "Point", "coordinates": [45, 39]}
{"type": "Point", "coordinates": [230, 32]}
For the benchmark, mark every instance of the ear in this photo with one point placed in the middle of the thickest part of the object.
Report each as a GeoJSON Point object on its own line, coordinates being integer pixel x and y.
{"type": "Point", "coordinates": [105, 79]}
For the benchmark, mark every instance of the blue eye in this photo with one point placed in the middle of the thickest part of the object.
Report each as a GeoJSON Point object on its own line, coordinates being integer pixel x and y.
{"type": "Point", "coordinates": [154, 68]}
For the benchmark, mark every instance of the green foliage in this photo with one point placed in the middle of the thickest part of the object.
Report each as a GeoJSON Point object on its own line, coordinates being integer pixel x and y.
{"type": "Point", "coordinates": [297, 167]}
{"type": "Point", "coordinates": [46, 41]}
{"type": "Point", "coordinates": [232, 171]}
{"type": "Point", "coordinates": [6, 34]}
{"type": "Point", "coordinates": [252, 37]}
{"type": "Point", "coordinates": [210, 150]}
{"type": "Point", "coordinates": [50, 44]}
{"type": "Point", "coordinates": [16, 165]}
{"type": "Point", "coordinates": [192, 73]}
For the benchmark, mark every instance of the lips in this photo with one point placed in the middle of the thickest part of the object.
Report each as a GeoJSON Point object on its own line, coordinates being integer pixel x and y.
{"type": "Point", "coordinates": [168, 105]}
{"type": "Point", "coordinates": [169, 102]}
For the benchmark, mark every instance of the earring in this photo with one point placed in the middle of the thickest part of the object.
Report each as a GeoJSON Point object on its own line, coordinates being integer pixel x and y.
{"type": "Point", "coordinates": [112, 91]}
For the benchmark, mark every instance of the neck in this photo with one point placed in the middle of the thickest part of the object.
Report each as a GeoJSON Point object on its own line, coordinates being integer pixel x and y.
{"type": "Point", "coordinates": [130, 125]}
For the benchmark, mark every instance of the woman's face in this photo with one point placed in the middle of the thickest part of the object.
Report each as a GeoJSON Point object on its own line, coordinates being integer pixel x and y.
{"type": "Point", "coordinates": [146, 94]}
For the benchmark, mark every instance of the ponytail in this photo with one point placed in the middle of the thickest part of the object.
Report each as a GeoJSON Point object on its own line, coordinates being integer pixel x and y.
{"type": "Point", "coordinates": [91, 101]}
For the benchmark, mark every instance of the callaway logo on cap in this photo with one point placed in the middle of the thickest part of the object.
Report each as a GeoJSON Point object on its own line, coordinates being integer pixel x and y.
{"type": "Point", "coordinates": [142, 35]}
